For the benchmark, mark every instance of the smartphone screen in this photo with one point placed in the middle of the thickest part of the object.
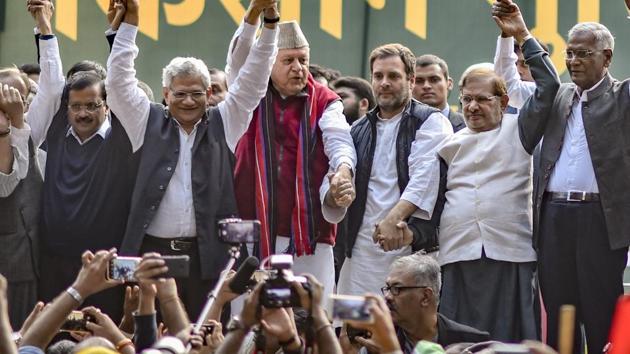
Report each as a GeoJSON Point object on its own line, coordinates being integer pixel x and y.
{"type": "Point", "coordinates": [76, 322]}
{"type": "Point", "coordinates": [123, 268]}
{"type": "Point", "coordinates": [240, 231]}
{"type": "Point", "coordinates": [354, 308]}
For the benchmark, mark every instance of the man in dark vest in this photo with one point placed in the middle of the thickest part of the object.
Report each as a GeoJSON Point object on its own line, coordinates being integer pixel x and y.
{"type": "Point", "coordinates": [20, 186]}
{"type": "Point", "coordinates": [185, 179]}
{"type": "Point", "coordinates": [297, 136]}
{"type": "Point", "coordinates": [433, 85]}
{"type": "Point", "coordinates": [581, 223]}
{"type": "Point", "coordinates": [90, 167]}
{"type": "Point", "coordinates": [398, 173]}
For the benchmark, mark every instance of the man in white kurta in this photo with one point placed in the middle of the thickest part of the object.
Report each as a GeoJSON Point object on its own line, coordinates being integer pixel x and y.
{"type": "Point", "coordinates": [382, 197]}
{"type": "Point", "coordinates": [486, 249]}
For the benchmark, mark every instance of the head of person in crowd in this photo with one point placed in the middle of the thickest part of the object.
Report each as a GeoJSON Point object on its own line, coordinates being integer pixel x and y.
{"type": "Point", "coordinates": [483, 95]}
{"type": "Point", "coordinates": [219, 86]}
{"type": "Point", "coordinates": [93, 344]}
{"type": "Point", "coordinates": [289, 74]}
{"type": "Point", "coordinates": [392, 68]}
{"type": "Point", "coordinates": [521, 67]}
{"type": "Point", "coordinates": [13, 77]}
{"type": "Point", "coordinates": [589, 53]}
{"type": "Point", "coordinates": [87, 65]}
{"type": "Point", "coordinates": [147, 89]}
{"type": "Point", "coordinates": [412, 293]}
{"type": "Point", "coordinates": [322, 74]}
{"type": "Point", "coordinates": [32, 70]}
{"type": "Point", "coordinates": [62, 347]}
{"type": "Point", "coordinates": [87, 108]}
{"type": "Point", "coordinates": [186, 89]}
{"type": "Point", "coordinates": [433, 83]}
{"type": "Point", "coordinates": [356, 95]}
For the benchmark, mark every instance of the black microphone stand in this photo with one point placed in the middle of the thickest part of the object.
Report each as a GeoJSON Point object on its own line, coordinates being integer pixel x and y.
{"type": "Point", "coordinates": [234, 254]}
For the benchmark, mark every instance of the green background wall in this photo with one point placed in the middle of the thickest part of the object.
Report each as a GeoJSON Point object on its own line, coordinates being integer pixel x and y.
{"type": "Point", "coordinates": [461, 31]}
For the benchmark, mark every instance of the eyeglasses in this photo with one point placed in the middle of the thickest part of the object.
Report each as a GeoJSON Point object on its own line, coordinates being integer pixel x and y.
{"type": "Point", "coordinates": [396, 289]}
{"type": "Point", "coordinates": [579, 54]}
{"type": "Point", "coordinates": [91, 107]}
{"type": "Point", "coordinates": [182, 95]}
{"type": "Point", "coordinates": [466, 99]}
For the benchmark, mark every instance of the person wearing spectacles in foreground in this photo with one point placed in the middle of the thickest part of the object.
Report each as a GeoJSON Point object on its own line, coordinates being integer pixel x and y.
{"type": "Point", "coordinates": [412, 294]}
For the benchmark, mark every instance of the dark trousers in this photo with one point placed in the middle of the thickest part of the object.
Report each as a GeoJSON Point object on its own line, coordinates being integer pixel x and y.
{"type": "Point", "coordinates": [576, 266]}
{"type": "Point", "coordinates": [57, 273]}
{"type": "Point", "coordinates": [193, 291]}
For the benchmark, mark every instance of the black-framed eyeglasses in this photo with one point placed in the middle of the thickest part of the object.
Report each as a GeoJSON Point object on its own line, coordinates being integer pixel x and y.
{"type": "Point", "coordinates": [467, 99]}
{"type": "Point", "coordinates": [396, 289]}
{"type": "Point", "coordinates": [90, 107]}
{"type": "Point", "coordinates": [579, 53]}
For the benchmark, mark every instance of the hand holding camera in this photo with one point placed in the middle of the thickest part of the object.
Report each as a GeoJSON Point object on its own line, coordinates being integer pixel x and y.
{"type": "Point", "coordinates": [103, 326]}
{"type": "Point", "coordinates": [92, 276]}
{"type": "Point", "coordinates": [381, 327]}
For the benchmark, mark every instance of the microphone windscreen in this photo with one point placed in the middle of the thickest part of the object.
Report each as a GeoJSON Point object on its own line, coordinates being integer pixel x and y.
{"type": "Point", "coordinates": [239, 283]}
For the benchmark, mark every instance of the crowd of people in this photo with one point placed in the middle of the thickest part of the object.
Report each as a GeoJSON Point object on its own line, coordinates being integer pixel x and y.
{"type": "Point", "coordinates": [460, 230]}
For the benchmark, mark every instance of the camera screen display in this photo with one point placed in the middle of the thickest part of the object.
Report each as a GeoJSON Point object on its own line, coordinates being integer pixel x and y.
{"type": "Point", "coordinates": [123, 268]}
{"type": "Point", "coordinates": [353, 308]}
{"type": "Point", "coordinates": [243, 231]}
{"type": "Point", "coordinates": [76, 322]}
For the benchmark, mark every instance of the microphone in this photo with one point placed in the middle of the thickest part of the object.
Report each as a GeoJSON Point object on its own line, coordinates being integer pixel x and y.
{"type": "Point", "coordinates": [239, 283]}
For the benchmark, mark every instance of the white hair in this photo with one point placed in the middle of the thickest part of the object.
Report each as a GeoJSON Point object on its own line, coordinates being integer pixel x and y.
{"type": "Point", "coordinates": [185, 66]}
{"type": "Point", "coordinates": [424, 269]}
{"type": "Point", "coordinates": [603, 37]}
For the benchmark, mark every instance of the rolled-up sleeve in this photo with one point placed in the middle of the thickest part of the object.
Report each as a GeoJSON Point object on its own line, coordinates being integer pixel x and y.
{"type": "Point", "coordinates": [424, 165]}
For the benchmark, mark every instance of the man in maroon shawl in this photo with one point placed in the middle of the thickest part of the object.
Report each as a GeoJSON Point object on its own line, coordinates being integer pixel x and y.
{"type": "Point", "coordinates": [297, 137]}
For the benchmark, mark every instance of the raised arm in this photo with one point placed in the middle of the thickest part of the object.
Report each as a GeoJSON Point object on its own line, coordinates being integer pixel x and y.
{"type": "Point", "coordinates": [505, 66]}
{"type": "Point", "coordinates": [533, 117]}
{"type": "Point", "coordinates": [250, 86]}
{"type": "Point", "coordinates": [51, 80]}
{"type": "Point", "coordinates": [14, 134]}
{"type": "Point", "coordinates": [90, 280]}
{"type": "Point", "coordinates": [243, 38]}
{"type": "Point", "coordinates": [128, 102]}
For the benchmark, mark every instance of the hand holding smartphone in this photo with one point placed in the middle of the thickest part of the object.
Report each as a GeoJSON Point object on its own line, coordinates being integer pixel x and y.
{"type": "Point", "coordinates": [124, 268]}
{"type": "Point", "coordinates": [76, 322]}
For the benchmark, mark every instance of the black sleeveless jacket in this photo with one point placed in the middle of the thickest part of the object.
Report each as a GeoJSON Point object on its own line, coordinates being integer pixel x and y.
{"type": "Point", "coordinates": [364, 136]}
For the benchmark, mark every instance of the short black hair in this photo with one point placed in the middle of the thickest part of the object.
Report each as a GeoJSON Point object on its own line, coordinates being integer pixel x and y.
{"type": "Point", "coordinates": [84, 79]}
{"type": "Point", "coordinates": [321, 71]}
{"type": "Point", "coordinates": [30, 68]}
{"type": "Point", "coordinates": [359, 86]}
{"type": "Point", "coordinates": [430, 59]}
{"type": "Point", "coordinates": [87, 65]}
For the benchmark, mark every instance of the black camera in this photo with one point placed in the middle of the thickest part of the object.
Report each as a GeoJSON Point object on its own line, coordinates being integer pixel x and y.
{"type": "Point", "coordinates": [277, 291]}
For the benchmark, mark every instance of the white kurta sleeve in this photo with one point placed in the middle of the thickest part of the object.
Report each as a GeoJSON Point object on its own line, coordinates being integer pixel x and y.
{"type": "Point", "coordinates": [249, 88]}
{"type": "Point", "coordinates": [19, 143]}
{"type": "Point", "coordinates": [238, 51]}
{"type": "Point", "coordinates": [505, 66]}
{"type": "Point", "coordinates": [338, 145]}
{"type": "Point", "coordinates": [424, 165]}
{"type": "Point", "coordinates": [128, 102]}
